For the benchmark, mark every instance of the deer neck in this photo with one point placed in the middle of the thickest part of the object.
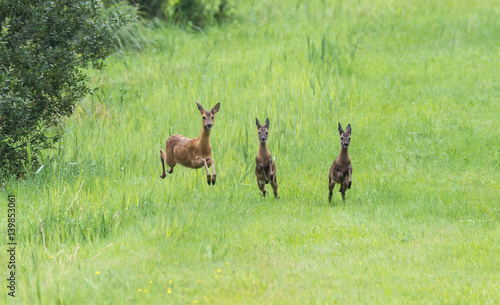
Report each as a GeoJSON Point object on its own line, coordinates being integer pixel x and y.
{"type": "Point", "coordinates": [344, 154]}
{"type": "Point", "coordinates": [263, 149]}
{"type": "Point", "coordinates": [204, 138]}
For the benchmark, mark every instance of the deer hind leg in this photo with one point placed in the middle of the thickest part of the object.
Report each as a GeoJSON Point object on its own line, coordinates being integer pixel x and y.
{"type": "Point", "coordinates": [331, 185]}
{"type": "Point", "coordinates": [169, 156]}
{"type": "Point", "coordinates": [163, 159]}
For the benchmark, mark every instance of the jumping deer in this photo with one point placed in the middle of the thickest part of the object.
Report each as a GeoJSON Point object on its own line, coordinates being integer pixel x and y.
{"type": "Point", "coordinates": [265, 169]}
{"type": "Point", "coordinates": [192, 153]}
{"type": "Point", "coordinates": [341, 170]}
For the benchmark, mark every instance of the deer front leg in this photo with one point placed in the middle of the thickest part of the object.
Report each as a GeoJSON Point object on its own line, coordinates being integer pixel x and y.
{"type": "Point", "coordinates": [200, 160]}
{"type": "Point", "coordinates": [274, 184]}
{"type": "Point", "coordinates": [262, 187]}
{"type": "Point", "coordinates": [208, 172]}
{"type": "Point", "coordinates": [214, 174]}
{"type": "Point", "coordinates": [261, 168]}
{"type": "Point", "coordinates": [349, 181]}
{"type": "Point", "coordinates": [343, 188]}
{"type": "Point", "coordinates": [331, 185]}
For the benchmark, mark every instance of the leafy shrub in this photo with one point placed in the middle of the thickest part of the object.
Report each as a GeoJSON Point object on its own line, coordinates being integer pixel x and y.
{"type": "Point", "coordinates": [44, 45]}
{"type": "Point", "coordinates": [199, 13]}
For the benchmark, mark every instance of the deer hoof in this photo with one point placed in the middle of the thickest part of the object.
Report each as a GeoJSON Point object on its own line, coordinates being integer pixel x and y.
{"type": "Point", "coordinates": [264, 193]}
{"type": "Point", "coordinates": [276, 196]}
{"type": "Point", "coordinates": [163, 176]}
{"type": "Point", "coordinates": [213, 179]}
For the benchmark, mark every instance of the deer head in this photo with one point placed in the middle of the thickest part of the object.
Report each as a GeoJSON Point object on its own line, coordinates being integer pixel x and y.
{"type": "Point", "coordinates": [208, 116]}
{"type": "Point", "coordinates": [345, 137]}
{"type": "Point", "coordinates": [262, 130]}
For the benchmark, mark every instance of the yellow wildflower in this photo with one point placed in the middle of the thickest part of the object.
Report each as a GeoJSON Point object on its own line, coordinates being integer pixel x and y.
{"type": "Point", "coordinates": [97, 272]}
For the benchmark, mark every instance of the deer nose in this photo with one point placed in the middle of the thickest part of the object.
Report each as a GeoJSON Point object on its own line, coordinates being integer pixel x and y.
{"type": "Point", "coordinates": [209, 126]}
{"type": "Point", "coordinates": [263, 139]}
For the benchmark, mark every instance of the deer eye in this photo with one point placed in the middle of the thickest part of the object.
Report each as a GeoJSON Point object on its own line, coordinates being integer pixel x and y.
{"type": "Point", "coordinates": [349, 138]}
{"type": "Point", "coordinates": [341, 138]}
{"type": "Point", "coordinates": [259, 132]}
{"type": "Point", "coordinates": [266, 132]}
{"type": "Point", "coordinates": [204, 117]}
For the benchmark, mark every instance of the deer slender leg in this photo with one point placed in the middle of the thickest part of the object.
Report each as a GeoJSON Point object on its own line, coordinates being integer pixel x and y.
{"type": "Point", "coordinates": [274, 184]}
{"type": "Point", "coordinates": [331, 185]}
{"type": "Point", "coordinates": [214, 174]}
{"type": "Point", "coordinates": [208, 172]}
{"type": "Point", "coordinates": [262, 187]}
{"type": "Point", "coordinates": [261, 167]}
{"type": "Point", "coordinates": [162, 154]}
{"type": "Point", "coordinates": [343, 188]}
{"type": "Point", "coordinates": [349, 181]}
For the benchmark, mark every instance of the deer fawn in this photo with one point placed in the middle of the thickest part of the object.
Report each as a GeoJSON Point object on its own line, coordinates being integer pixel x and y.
{"type": "Point", "coordinates": [265, 170]}
{"type": "Point", "coordinates": [192, 153]}
{"type": "Point", "coordinates": [341, 169]}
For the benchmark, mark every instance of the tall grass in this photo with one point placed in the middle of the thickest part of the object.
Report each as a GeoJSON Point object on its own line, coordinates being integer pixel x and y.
{"type": "Point", "coordinates": [416, 81]}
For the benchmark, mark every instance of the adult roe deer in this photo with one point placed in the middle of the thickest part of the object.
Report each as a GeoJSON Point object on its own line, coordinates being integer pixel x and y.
{"type": "Point", "coordinates": [265, 169]}
{"type": "Point", "coordinates": [192, 153]}
{"type": "Point", "coordinates": [341, 169]}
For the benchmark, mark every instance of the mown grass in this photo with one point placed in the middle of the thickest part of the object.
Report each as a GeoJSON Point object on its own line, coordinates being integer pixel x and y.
{"type": "Point", "coordinates": [417, 81]}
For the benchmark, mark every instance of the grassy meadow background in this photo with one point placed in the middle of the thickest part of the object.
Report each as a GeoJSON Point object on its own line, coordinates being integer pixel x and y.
{"type": "Point", "coordinates": [417, 80]}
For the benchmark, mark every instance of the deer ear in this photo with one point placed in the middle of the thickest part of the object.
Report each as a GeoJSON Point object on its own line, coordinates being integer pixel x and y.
{"type": "Point", "coordinates": [348, 129]}
{"type": "Point", "coordinates": [257, 123]}
{"type": "Point", "coordinates": [200, 107]}
{"type": "Point", "coordinates": [267, 123]}
{"type": "Point", "coordinates": [340, 129]}
{"type": "Point", "coordinates": [216, 108]}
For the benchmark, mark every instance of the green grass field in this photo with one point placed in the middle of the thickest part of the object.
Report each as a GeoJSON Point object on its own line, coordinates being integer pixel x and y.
{"type": "Point", "coordinates": [419, 83]}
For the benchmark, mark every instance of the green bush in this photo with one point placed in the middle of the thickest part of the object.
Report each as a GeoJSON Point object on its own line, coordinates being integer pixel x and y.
{"type": "Point", "coordinates": [44, 45]}
{"type": "Point", "coordinates": [197, 13]}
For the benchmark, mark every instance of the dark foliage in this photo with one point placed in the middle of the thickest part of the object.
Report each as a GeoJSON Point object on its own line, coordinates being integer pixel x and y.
{"type": "Point", "coordinates": [196, 13]}
{"type": "Point", "coordinates": [44, 45]}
